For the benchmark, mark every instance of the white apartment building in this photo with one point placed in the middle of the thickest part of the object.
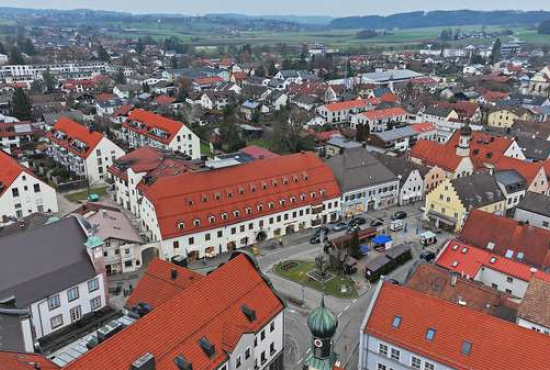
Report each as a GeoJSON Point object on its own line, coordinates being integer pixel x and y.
{"type": "Point", "coordinates": [143, 128]}
{"type": "Point", "coordinates": [37, 69]}
{"type": "Point", "coordinates": [21, 192]}
{"type": "Point", "coordinates": [339, 112]}
{"type": "Point", "coordinates": [82, 151]}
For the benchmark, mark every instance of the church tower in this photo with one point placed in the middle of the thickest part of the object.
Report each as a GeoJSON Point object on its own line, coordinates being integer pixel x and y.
{"type": "Point", "coordinates": [463, 148]}
{"type": "Point", "coordinates": [322, 323]}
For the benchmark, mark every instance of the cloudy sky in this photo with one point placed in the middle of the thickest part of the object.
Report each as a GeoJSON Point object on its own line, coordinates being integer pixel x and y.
{"type": "Point", "coordinates": [260, 7]}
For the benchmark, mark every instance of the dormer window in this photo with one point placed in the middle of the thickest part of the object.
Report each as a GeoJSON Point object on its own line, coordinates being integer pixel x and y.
{"type": "Point", "coordinates": [181, 225]}
{"type": "Point", "coordinates": [312, 195]}
{"type": "Point", "coordinates": [303, 197]}
{"type": "Point", "coordinates": [270, 205]}
{"type": "Point", "coordinates": [196, 222]}
{"type": "Point", "coordinates": [190, 202]}
{"type": "Point", "coordinates": [293, 199]}
{"type": "Point", "coordinates": [229, 194]}
{"type": "Point", "coordinates": [264, 185]}
{"type": "Point", "coordinates": [322, 192]}
{"type": "Point", "coordinates": [260, 207]}
{"type": "Point", "coordinates": [217, 196]}
{"type": "Point", "coordinates": [305, 176]}
{"type": "Point", "coordinates": [274, 183]}
{"type": "Point", "coordinates": [237, 213]}
{"type": "Point", "coordinates": [241, 190]}
{"type": "Point", "coordinates": [282, 202]}
{"type": "Point", "coordinates": [285, 181]}
{"type": "Point", "coordinates": [204, 198]}
{"type": "Point", "coordinates": [248, 210]}
{"type": "Point", "coordinates": [224, 216]}
{"type": "Point", "coordinates": [253, 188]}
{"type": "Point", "coordinates": [295, 178]}
{"type": "Point", "coordinates": [212, 219]}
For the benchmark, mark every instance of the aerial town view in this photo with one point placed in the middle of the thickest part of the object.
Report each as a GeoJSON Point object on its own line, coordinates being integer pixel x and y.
{"type": "Point", "coordinates": [289, 185]}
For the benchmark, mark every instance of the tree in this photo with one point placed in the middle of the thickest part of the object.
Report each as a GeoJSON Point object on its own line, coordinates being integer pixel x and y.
{"type": "Point", "coordinates": [544, 27]}
{"type": "Point", "coordinates": [22, 106]}
{"type": "Point", "coordinates": [354, 245]}
{"type": "Point", "coordinates": [146, 87]}
{"type": "Point", "coordinates": [272, 69]}
{"type": "Point", "coordinates": [50, 81]}
{"type": "Point", "coordinates": [120, 79]}
{"type": "Point", "coordinates": [15, 56]}
{"type": "Point", "coordinates": [102, 54]}
{"type": "Point", "coordinates": [3, 49]}
{"type": "Point", "coordinates": [28, 47]}
{"type": "Point", "coordinates": [231, 137]}
{"type": "Point", "coordinates": [362, 133]}
{"type": "Point", "coordinates": [140, 46]}
{"type": "Point", "coordinates": [496, 52]}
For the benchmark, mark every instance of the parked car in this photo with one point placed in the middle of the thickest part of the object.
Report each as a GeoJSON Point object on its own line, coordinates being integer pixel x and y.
{"type": "Point", "coordinates": [352, 228]}
{"type": "Point", "coordinates": [315, 239]}
{"type": "Point", "coordinates": [358, 221]}
{"type": "Point", "coordinates": [397, 225]}
{"type": "Point", "coordinates": [340, 226]}
{"type": "Point", "coordinates": [322, 230]}
{"type": "Point", "coordinates": [399, 215]}
{"type": "Point", "coordinates": [427, 256]}
{"type": "Point", "coordinates": [377, 222]}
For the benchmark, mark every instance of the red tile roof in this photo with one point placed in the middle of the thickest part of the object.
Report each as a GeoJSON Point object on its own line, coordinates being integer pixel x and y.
{"type": "Point", "coordinates": [24, 361]}
{"type": "Point", "coordinates": [304, 174]}
{"type": "Point", "coordinates": [103, 97]}
{"type": "Point", "coordinates": [74, 132]}
{"type": "Point", "coordinates": [163, 99]}
{"type": "Point", "coordinates": [11, 169]}
{"type": "Point", "coordinates": [203, 81]}
{"type": "Point", "coordinates": [209, 308]}
{"type": "Point", "coordinates": [156, 285]}
{"type": "Point", "coordinates": [149, 121]}
{"type": "Point", "coordinates": [468, 260]}
{"type": "Point", "coordinates": [352, 104]}
{"type": "Point", "coordinates": [496, 344]}
{"type": "Point", "coordinates": [434, 154]}
{"type": "Point", "coordinates": [529, 170]}
{"type": "Point", "coordinates": [490, 95]}
{"type": "Point", "coordinates": [258, 152]}
{"type": "Point", "coordinates": [384, 113]}
{"type": "Point", "coordinates": [464, 109]}
{"type": "Point", "coordinates": [423, 127]}
{"type": "Point", "coordinates": [482, 228]}
{"type": "Point", "coordinates": [123, 110]}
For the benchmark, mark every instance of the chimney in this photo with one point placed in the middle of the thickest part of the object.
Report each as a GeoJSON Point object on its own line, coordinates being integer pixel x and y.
{"type": "Point", "coordinates": [173, 274]}
{"type": "Point", "coordinates": [145, 362]}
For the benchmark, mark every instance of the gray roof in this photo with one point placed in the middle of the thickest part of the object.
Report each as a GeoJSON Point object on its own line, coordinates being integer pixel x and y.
{"type": "Point", "coordinates": [512, 180]}
{"type": "Point", "coordinates": [478, 190]}
{"type": "Point", "coordinates": [534, 148]}
{"type": "Point", "coordinates": [44, 261]}
{"type": "Point", "coordinates": [51, 118]}
{"type": "Point", "coordinates": [358, 169]}
{"type": "Point", "coordinates": [395, 134]}
{"type": "Point", "coordinates": [401, 167]}
{"type": "Point", "coordinates": [438, 111]}
{"type": "Point", "coordinates": [391, 74]}
{"type": "Point", "coordinates": [342, 142]}
{"type": "Point", "coordinates": [290, 73]}
{"type": "Point", "coordinates": [11, 333]}
{"type": "Point", "coordinates": [535, 203]}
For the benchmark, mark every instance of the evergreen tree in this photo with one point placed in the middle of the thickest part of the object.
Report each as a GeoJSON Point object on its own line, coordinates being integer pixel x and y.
{"type": "Point", "coordinates": [496, 52]}
{"type": "Point", "coordinates": [15, 56]}
{"type": "Point", "coordinates": [50, 81]}
{"type": "Point", "coordinates": [120, 79]}
{"type": "Point", "coordinates": [146, 87]}
{"type": "Point", "coordinates": [272, 69]}
{"type": "Point", "coordinates": [140, 47]}
{"type": "Point", "coordinates": [3, 49]}
{"type": "Point", "coordinates": [28, 47]}
{"type": "Point", "coordinates": [22, 106]}
{"type": "Point", "coordinates": [102, 54]}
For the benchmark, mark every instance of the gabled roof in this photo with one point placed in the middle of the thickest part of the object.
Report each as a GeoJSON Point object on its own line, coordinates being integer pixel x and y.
{"type": "Point", "coordinates": [147, 122]}
{"type": "Point", "coordinates": [484, 147]}
{"type": "Point", "coordinates": [71, 133]}
{"type": "Point", "coordinates": [210, 308]}
{"type": "Point", "coordinates": [24, 361]}
{"type": "Point", "coordinates": [478, 190]}
{"type": "Point", "coordinates": [495, 343]}
{"type": "Point", "coordinates": [529, 170]}
{"type": "Point", "coordinates": [384, 113]}
{"type": "Point", "coordinates": [10, 170]}
{"type": "Point", "coordinates": [482, 229]}
{"type": "Point", "coordinates": [535, 305]}
{"type": "Point", "coordinates": [434, 154]}
{"type": "Point", "coordinates": [257, 152]}
{"type": "Point", "coordinates": [536, 203]}
{"type": "Point", "coordinates": [351, 104]}
{"type": "Point", "coordinates": [157, 285]}
{"type": "Point", "coordinates": [181, 200]}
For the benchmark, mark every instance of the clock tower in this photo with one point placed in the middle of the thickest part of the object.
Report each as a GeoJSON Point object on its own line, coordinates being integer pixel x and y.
{"type": "Point", "coordinates": [322, 323]}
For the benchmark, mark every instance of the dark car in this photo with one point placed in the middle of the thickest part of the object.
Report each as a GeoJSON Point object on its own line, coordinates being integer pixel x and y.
{"type": "Point", "coordinates": [358, 221]}
{"type": "Point", "coordinates": [400, 215]}
{"type": "Point", "coordinates": [340, 226]}
{"type": "Point", "coordinates": [427, 256]}
{"type": "Point", "coordinates": [352, 228]}
{"type": "Point", "coordinates": [315, 239]}
{"type": "Point", "coordinates": [322, 230]}
{"type": "Point", "coordinates": [377, 222]}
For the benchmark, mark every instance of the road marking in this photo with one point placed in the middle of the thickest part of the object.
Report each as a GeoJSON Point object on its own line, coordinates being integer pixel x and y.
{"type": "Point", "coordinates": [291, 311]}
{"type": "Point", "coordinates": [300, 361]}
{"type": "Point", "coordinates": [347, 307]}
{"type": "Point", "coordinates": [308, 351]}
{"type": "Point", "coordinates": [354, 301]}
{"type": "Point", "coordinates": [340, 314]}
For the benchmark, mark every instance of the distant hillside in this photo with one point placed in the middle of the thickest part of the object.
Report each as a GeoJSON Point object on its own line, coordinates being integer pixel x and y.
{"type": "Point", "coordinates": [442, 18]}
{"type": "Point", "coordinates": [300, 19]}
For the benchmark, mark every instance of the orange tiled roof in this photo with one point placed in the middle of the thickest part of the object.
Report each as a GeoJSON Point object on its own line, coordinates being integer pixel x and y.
{"type": "Point", "coordinates": [209, 308]}
{"type": "Point", "coordinates": [433, 154]}
{"type": "Point", "coordinates": [74, 132]}
{"type": "Point", "coordinates": [495, 344]}
{"type": "Point", "coordinates": [188, 197]}
{"type": "Point", "coordinates": [529, 170]}
{"type": "Point", "coordinates": [384, 113]}
{"type": "Point", "coordinates": [24, 361]}
{"type": "Point", "coordinates": [10, 170]}
{"type": "Point", "coordinates": [352, 104]}
{"type": "Point", "coordinates": [151, 121]}
{"type": "Point", "coordinates": [156, 286]}
{"type": "Point", "coordinates": [423, 127]}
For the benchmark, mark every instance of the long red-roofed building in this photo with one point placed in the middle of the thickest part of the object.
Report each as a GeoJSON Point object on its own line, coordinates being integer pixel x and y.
{"type": "Point", "coordinates": [81, 150]}
{"type": "Point", "coordinates": [378, 120]}
{"type": "Point", "coordinates": [203, 213]}
{"type": "Point", "coordinates": [21, 192]}
{"type": "Point", "coordinates": [406, 329]}
{"type": "Point", "coordinates": [343, 111]}
{"type": "Point", "coordinates": [24, 361]}
{"type": "Point", "coordinates": [144, 128]}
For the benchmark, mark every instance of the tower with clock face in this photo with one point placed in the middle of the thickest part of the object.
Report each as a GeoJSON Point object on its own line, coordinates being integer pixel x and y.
{"type": "Point", "coordinates": [322, 323]}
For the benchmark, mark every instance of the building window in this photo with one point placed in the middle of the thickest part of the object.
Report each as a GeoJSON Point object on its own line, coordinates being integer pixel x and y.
{"type": "Point", "coordinates": [95, 303]}
{"type": "Point", "coordinates": [430, 334]}
{"type": "Point", "coordinates": [191, 241]}
{"type": "Point", "coordinates": [72, 294]}
{"type": "Point", "coordinates": [54, 302]}
{"type": "Point", "coordinates": [509, 279]}
{"type": "Point", "coordinates": [272, 327]}
{"type": "Point", "coordinates": [429, 366]}
{"type": "Point", "coordinates": [395, 354]}
{"type": "Point", "coordinates": [56, 321]}
{"type": "Point", "coordinates": [176, 244]}
{"type": "Point", "coordinates": [383, 350]}
{"type": "Point", "coordinates": [238, 362]}
{"type": "Point", "coordinates": [381, 367]}
{"type": "Point", "coordinates": [262, 335]}
{"type": "Point", "coordinates": [272, 348]}
{"type": "Point", "coordinates": [93, 285]}
{"type": "Point", "coordinates": [15, 192]}
{"type": "Point", "coordinates": [416, 363]}
{"type": "Point", "coordinates": [207, 237]}
{"type": "Point", "coordinates": [37, 188]}
{"type": "Point", "coordinates": [247, 353]}
{"type": "Point", "coordinates": [75, 313]}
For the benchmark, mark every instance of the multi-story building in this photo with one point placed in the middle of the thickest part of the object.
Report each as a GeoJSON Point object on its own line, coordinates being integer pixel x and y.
{"type": "Point", "coordinates": [405, 329]}
{"type": "Point", "coordinates": [21, 192]}
{"type": "Point", "coordinates": [513, 186]}
{"type": "Point", "coordinates": [534, 210]}
{"type": "Point", "coordinates": [81, 150]}
{"type": "Point", "coordinates": [343, 111]}
{"type": "Point", "coordinates": [34, 70]}
{"type": "Point", "coordinates": [143, 128]}
{"type": "Point", "coordinates": [218, 209]}
{"type": "Point", "coordinates": [366, 184]}
{"type": "Point", "coordinates": [380, 120]}
{"type": "Point", "coordinates": [50, 277]}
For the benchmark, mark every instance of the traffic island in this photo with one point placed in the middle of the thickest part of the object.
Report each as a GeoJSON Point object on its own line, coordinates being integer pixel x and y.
{"type": "Point", "coordinates": [305, 274]}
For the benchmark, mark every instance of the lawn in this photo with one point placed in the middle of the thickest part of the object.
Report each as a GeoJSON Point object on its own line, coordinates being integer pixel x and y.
{"type": "Point", "coordinates": [205, 149]}
{"type": "Point", "coordinates": [264, 143]}
{"type": "Point", "coordinates": [83, 195]}
{"type": "Point", "coordinates": [298, 274]}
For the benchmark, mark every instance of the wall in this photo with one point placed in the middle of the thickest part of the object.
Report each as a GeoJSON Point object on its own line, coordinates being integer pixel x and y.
{"type": "Point", "coordinates": [31, 202]}
{"type": "Point", "coordinates": [490, 277]}
{"type": "Point", "coordinates": [534, 219]}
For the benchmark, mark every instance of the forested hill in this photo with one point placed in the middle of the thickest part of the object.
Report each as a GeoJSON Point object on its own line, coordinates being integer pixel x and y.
{"type": "Point", "coordinates": [442, 18]}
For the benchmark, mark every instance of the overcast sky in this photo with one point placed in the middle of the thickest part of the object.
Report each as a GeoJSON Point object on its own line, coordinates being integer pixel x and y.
{"type": "Point", "coordinates": [261, 7]}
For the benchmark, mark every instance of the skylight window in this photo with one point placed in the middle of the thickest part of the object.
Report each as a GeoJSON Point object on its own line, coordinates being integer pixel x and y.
{"type": "Point", "coordinates": [455, 247]}
{"type": "Point", "coordinates": [509, 254]}
{"type": "Point", "coordinates": [466, 347]}
{"type": "Point", "coordinates": [464, 250]}
{"type": "Point", "coordinates": [430, 334]}
{"type": "Point", "coordinates": [454, 264]}
{"type": "Point", "coordinates": [493, 259]}
{"type": "Point", "coordinates": [396, 321]}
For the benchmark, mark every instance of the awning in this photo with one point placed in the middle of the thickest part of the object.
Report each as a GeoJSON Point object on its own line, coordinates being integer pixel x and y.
{"type": "Point", "coordinates": [382, 239]}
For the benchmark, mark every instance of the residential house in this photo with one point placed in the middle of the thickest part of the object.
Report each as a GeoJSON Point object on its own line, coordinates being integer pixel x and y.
{"type": "Point", "coordinates": [533, 309]}
{"type": "Point", "coordinates": [277, 100]}
{"type": "Point", "coordinates": [513, 186]}
{"type": "Point", "coordinates": [397, 140]}
{"type": "Point", "coordinates": [534, 173]}
{"type": "Point", "coordinates": [144, 128]}
{"type": "Point", "coordinates": [507, 117]}
{"type": "Point", "coordinates": [535, 149]}
{"type": "Point", "coordinates": [540, 82]}
{"type": "Point", "coordinates": [50, 277]}
{"type": "Point", "coordinates": [366, 184]}
{"type": "Point", "coordinates": [449, 204]}
{"type": "Point", "coordinates": [127, 91]}
{"type": "Point", "coordinates": [411, 177]}
{"type": "Point", "coordinates": [214, 100]}
{"type": "Point", "coordinates": [339, 112]}
{"type": "Point", "coordinates": [21, 192]}
{"type": "Point", "coordinates": [534, 209]}
{"type": "Point", "coordinates": [381, 119]}
{"type": "Point", "coordinates": [337, 144]}
{"type": "Point", "coordinates": [405, 329]}
{"type": "Point", "coordinates": [81, 150]}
